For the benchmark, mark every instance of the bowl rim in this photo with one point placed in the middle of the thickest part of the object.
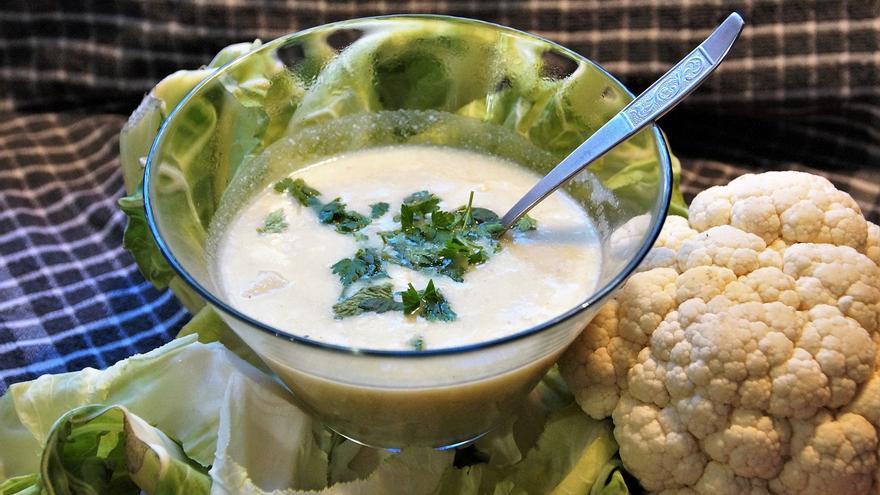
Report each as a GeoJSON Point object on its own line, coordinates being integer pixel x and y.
{"type": "Point", "coordinates": [597, 296]}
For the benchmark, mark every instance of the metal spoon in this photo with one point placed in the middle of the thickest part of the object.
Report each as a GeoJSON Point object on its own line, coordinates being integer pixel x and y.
{"type": "Point", "coordinates": [653, 103]}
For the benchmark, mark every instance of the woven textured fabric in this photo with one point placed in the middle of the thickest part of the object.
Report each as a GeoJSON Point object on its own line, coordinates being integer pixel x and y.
{"type": "Point", "coordinates": [800, 91]}
{"type": "Point", "coordinates": [803, 72]}
{"type": "Point", "coordinates": [70, 296]}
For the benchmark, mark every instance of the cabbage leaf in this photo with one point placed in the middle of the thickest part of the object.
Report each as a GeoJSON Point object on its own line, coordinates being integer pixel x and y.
{"type": "Point", "coordinates": [172, 396]}
{"type": "Point", "coordinates": [237, 117]}
{"type": "Point", "coordinates": [568, 458]}
{"type": "Point", "coordinates": [109, 450]}
{"type": "Point", "coordinates": [194, 418]}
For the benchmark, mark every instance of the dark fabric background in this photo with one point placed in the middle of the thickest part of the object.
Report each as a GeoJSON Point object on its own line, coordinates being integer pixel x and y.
{"type": "Point", "coordinates": [800, 91]}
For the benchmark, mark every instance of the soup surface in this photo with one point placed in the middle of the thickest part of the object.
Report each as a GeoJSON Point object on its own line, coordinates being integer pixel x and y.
{"type": "Point", "coordinates": [279, 270]}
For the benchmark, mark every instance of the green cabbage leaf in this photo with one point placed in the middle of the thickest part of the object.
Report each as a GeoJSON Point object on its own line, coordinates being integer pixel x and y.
{"type": "Point", "coordinates": [149, 423]}
{"type": "Point", "coordinates": [573, 455]}
{"type": "Point", "coordinates": [246, 112]}
{"type": "Point", "coordinates": [194, 418]}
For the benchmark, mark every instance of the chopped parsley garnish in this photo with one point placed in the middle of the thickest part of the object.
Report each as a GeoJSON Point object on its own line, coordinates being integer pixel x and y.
{"type": "Point", "coordinates": [428, 303]}
{"type": "Point", "coordinates": [378, 209]}
{"type": "Point", "coordinates": [525, 224]}
{"type": "Point", "coordinates": [415, 209]}
{"type": "Point", "coordinates": [484, 215]}
{"type": "Point", "coordinates": [299, 190]}
{"type": "Point", "coordinates": [447, 242]}
{"type": "Point", "coordinates": [274, 223]}
{"type": "Point", "coordinates": [366, 264]}
{"type": "Point", "coordinates": [334, 212]}
{"type": "Point", "coordinates": [429, 239]}
{"type": "Point", "coordinates": [346, 221]}
{"type": "Point", "coordinates": [417, 343]}
{"type": "Point", "coordinates": [422, 202]}
{"type": "Point", "coordinates": [459, 254]}
{"type": "Point", "coordinates": [373, 298]}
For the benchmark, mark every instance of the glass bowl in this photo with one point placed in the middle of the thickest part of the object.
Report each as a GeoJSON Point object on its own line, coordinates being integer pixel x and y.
{"type": "Point", "coordinates": [401, 80]}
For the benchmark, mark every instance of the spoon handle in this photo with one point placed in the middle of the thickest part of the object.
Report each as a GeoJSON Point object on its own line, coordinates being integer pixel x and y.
{"type": "Point", "coordinates": [673, 87]}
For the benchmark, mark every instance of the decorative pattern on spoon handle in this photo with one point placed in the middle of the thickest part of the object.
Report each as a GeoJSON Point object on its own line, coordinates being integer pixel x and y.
{"type": "Point", "coordinates": [681, 78]}
{"type": "Point", "coordinates": [653, 103]}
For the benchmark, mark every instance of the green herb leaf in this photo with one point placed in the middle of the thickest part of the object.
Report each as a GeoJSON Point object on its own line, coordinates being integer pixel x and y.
{"type": "Point", "coordinates": [299, 190]}
{"type": "Point", "coordinates": [332, 212]}
{"type": "Point", "coordinates": [450, 243]}
{"type": "Point", "coordinates": [525, 224]}
{"type": "Point", "coordinates": [346, 221]}
{"type": "Point", "coordinates": [415, 209]}
{"type": "Point", "coordinates": [374, 298]}
{"type": "Point", "coordinates": [274, 223]}
{"type": "Point", "coordinates": [379, 209]}
{"type": "Point", "coordinates": [459, 254]}
{"type": "Point", "coordinates": [417, 343]}
{"type": "Point", "coordinates": [484, 215]}
{"type": "Point", "coordinates": [435, 305]}
{"type": "Point", "coordinates": [407, 218]}
{"type": "Point", "coordinates": [409, 250]}
{"type": "Point", "coordinates": [412, 300]}
{"type": "Point", "coordinates": [366, 264]}
{"type": "Point", "coordinates": [443, 220]}
{"type": "Point", "coordinates": [422, 202]}
{"type": "Point", "coordinates": [459, 246]}
{"type": "Point", "coordinates": [283, 185]}
{"type": "Point", "coordinates": [349, 270]}
{"type": "Point", "coordinates": [429, 303]}
{"type": "Point", "coordinates": [352, 223]}
{"type": "Point", "coordinates": [491, 230]}
{"type": "Point", "coordinates": [467, 218]}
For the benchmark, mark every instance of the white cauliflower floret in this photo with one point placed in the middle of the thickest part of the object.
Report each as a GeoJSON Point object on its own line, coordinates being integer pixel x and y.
{"type": "Point", "coordinates": [843, 349]}
{"type": "Point", "coordinates": [829, 456]}
{"type": "Point", "coordinates": [626, 239]}
{"type": "Point", "coordinates": [792, 206]}
{"type": "Point", "coordinates": [872, 245]}
{"type": "Point", "coordinates": [836, 275]}
{"type": "Point", "coordinates": [799, 387]}
{"type": "Point", "coordinates": [722, 246]}
{"type": "Point", "coordinates": [622, 330]}
{"type": "Point", "coordinates": [753, 445]}
{"type": "Point", "coordinates": [660, 452]}
{"type": "Point", "coordinates": [675, 232]}
{"type": "Point", "coordinates": [867, 402]}
{"type": "Point", "coordinates": [719, 479]}
{"type": "Point", "coordinates": [591, 371]}
{"type": "Point", "coordinates": [743, 357]}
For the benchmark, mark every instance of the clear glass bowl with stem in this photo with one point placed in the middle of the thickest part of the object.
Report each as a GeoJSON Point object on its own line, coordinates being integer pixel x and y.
{"type": "Point", "coordinates": [427, 80]}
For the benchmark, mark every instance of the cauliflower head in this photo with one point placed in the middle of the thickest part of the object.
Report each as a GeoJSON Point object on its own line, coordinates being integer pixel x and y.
{"type": "Point", "coordinates": [743, 356]}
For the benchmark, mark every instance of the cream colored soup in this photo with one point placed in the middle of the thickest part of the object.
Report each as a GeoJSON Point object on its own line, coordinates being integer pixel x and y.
{"type": "Point", "coordinates": [284, 279]}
